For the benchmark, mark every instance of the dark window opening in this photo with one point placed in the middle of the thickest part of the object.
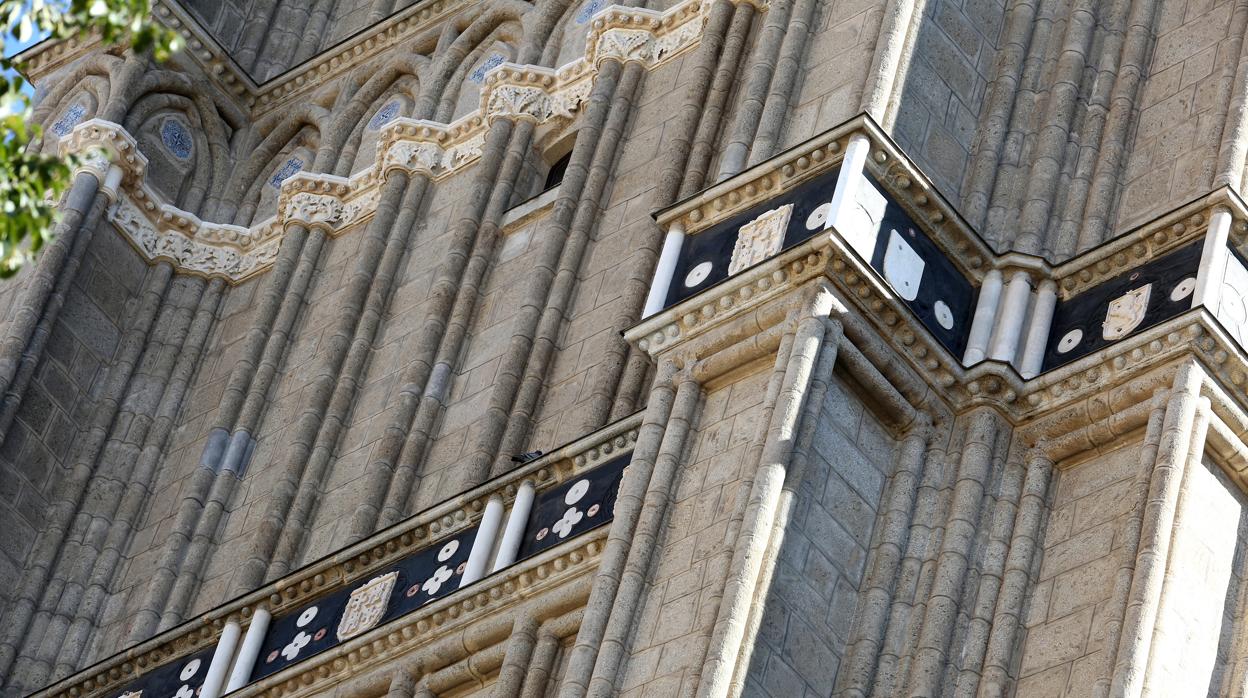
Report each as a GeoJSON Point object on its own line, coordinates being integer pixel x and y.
{"type": "Point", "coordinates": [554, 176]}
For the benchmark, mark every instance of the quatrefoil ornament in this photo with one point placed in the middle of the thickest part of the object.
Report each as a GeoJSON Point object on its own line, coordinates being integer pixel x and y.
{"type": "Point", "coordinates": [571, 517]}
{"type": "Point", "coordinates": [435, 582]}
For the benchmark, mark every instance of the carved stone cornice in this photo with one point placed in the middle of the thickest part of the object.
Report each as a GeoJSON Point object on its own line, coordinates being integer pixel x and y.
{"type": "Point", "coordinates": [616, 32]}
{"type": "Point", "coordinates": [673, 331]}
{"type": "Point", "coordinates": [820, 154]}
{"type": "Point", "coordinates": [543, 577]}
{"type": "Point", "coordinates": [350, 565]}
{"type": "Point", "coordinates": [1151, 240]}
{"type": "Point", "coordinates": [159, 230]}
{"type": "Point", "coordinates": [203, 48]}
{"type": "Point", "coordinates": [824, 255]}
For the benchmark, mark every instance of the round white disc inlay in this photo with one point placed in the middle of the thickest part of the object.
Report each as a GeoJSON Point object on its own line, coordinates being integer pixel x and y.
{"type": "Point", "coordinates": [944, 315]}
{"type": "Point", "coordinates": [306, 617]}
{"type": "Point", "coordinates": [819, 217]}
{"type": "Point", "coordinates": [1183, 289]}
{"type": "Point", "coordinates": [575, 492]}
{"type": "Point", "coordinates": [1070, 340]}
{"type": "Point", "coordinates": [448, 550]}
{"type": "Point", "coordinates": [189, 670]}
{"type": "Point", "coordinates": [697, 274]}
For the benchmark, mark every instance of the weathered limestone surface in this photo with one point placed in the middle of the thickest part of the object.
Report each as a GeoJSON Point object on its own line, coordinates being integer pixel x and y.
{"type": "Point", "coordinates": [810, 604]}
{"type": "Point", "coordinates": [823, 500]}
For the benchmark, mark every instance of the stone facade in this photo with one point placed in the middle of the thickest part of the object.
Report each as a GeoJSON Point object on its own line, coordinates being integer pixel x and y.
{"type": "Point", "coordinates": [701, 348]}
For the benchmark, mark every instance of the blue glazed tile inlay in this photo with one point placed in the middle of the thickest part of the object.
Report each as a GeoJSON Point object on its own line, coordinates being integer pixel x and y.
{"type": "Point", "coordinates": [69, 120]}
{"type": "Point", "coordinates": [478, 75]}
{"type": "Point", "coordinates": [176, 138]}
{"type": "Point", "coordinates": [591, 8]}
{"type": "Point", "coordinates": [384, 115]}
{"type": "Point", "coordinates": [292, 166]}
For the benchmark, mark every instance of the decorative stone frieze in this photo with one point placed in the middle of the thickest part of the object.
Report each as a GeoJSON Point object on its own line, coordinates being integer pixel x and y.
{"type": "Point", "coordinates": [546, 571]}
{"type": "Point", "coordinates": [542, 578]}
{"type": "Point", "coordinates": [161, 237]}
{"type": "Point", "coordinates": [1134, 344]}
{"type": "Point", "coordinates": [625, 34]}
{"type": "Point", "coordinates": [1168, 232]}
{"type": "Point", "coordinates": [335, 204]}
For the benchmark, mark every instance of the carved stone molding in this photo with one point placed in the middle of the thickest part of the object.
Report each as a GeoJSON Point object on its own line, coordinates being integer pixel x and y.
{"type": "Point", "coordinates": [616, 32]}
{"type": "Point", "coordinates": [98, 143]}
{"type": "Point", "coordinates": [367, 558]}
{"type": "Point", "coordinates": [333, 204]}
{"type": "Point", "coordinates": [545, 578]}
{"type": "Point", "coordinates": [317, 201]}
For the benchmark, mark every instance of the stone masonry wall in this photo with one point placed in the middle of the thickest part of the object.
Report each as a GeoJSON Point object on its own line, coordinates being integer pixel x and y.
{"type": "Point", "coordinates": [687, 575]}
{"type": "Point", "coordinates": [1174, 154]}
{"type": "Point", "coordinates": [830, 86]}
{"type": "Point", "coordinates": [1063, 648]}
{"type": "Point", "coordinates": [63, 392]}
{"type": "Point", "coordinates": [1204, 579]}
{"type": "Point", "coordinates": [812, 597]}
{"type": "Point", "coordinates": [945, 86]}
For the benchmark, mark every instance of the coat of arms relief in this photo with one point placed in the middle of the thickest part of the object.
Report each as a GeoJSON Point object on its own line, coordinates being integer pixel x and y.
{"type": "Point", "coordinates": [1126, 312]}
{"type": "Point", "coordinates": [760, 238]}
{"type": "Point", "coordinates": [366, 606]}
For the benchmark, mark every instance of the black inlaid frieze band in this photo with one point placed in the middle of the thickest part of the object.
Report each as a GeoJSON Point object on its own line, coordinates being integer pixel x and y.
{"type": "Point", "coordinates": [706, 255]}
{"type": "Point", "coordinates": [300, 634]}
{"type": "Point", "coordinates": [920, 273]}
{"type": "Point", "coordinates": [177, 679]}
{"type": "Point", "coordinates": [883, 233]}
{"type": "Point", "coordinates": [576, 506]}
{"type": "Point", "coordinates": [1132, 301]}
{"type": "Point", "coordinates": [431, 573]}
{"type": "Point", "coordinates": [418, 579]}
{"type": "Point", "coordinates": [566, 511]}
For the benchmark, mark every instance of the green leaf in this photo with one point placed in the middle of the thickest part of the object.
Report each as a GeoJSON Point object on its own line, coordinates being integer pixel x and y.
{"type": "Point", "coordinates": [29, 180]}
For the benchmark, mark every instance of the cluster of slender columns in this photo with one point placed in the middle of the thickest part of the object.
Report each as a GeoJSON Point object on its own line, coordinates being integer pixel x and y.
{"type": "Point", "coordinates": [956, 545]}
{"type": "Point", "coordinates": [394, 474]}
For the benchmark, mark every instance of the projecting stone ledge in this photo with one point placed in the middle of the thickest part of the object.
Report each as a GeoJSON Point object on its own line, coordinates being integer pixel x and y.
{"type": "Point", "coordinates": [848, 207]}
{"type": "Point", "coordinates": [448, 577]}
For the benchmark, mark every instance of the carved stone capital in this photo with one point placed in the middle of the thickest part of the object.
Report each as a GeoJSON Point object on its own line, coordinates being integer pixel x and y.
{"type": "Point", "coordinates": [314, 200]}
{"type": "Point", "coordinates": [314, 211]}
{"type": "Point", "coordinates": [413, 157]}
{"type": "Point", "coordinates": [625, 45]}
{"type": "Point", "coordinates": [517, 102]}
{"type": "Point", "coordinates": [98, 143]}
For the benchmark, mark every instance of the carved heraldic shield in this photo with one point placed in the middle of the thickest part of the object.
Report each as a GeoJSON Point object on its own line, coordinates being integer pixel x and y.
{"type": "Point", "coordinates": [1126, 312]}
{"type": "Point", "coordinates": [366, 606]}
{"type": "Point", "coordinates": [760, 238]}
{"type": "Point", "coordinates": [903, 267]}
